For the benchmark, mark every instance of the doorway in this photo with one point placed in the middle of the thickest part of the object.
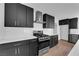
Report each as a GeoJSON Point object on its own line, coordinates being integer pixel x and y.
{"type": "Point", "coordinates": [64, 32]}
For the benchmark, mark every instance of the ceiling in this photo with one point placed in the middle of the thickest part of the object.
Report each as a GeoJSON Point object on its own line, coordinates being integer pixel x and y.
{"type": "Point", "coordinates": [59, 10]}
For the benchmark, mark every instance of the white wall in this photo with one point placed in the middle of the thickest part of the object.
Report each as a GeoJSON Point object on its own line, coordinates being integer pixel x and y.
{"type": "Point", "coordinates": [48, 31]}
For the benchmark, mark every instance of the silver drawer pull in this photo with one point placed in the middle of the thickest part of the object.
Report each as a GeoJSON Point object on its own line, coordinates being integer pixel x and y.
{"type": "Point", "coordinates": [15, 23]}
{"type": "Point", "coordinates": [33, 40]}
{"type": "Point", "coordinates": [18, 51]}
{"type": "Point", "coordinates": [17, 44]}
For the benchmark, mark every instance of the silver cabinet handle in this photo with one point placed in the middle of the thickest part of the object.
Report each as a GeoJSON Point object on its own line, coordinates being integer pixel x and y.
{"type": "Point", "coordinates": [18, 51]}
{"type": "Point", "coordinates": [15, 51]}
{"type": "Point", "coordinates": [17, 44]}
{"type": "Point", "coordinates": [15, 23]}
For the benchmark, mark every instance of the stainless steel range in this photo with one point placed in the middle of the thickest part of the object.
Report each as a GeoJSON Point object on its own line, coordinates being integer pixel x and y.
{"type": "Point", "coordinates": [43, 42]}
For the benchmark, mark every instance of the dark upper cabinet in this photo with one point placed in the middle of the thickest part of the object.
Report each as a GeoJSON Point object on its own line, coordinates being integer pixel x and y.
{"type": "Point", "coordinates": [48, 21]}
{"type": "Point", "coordinates": [10, 14]}
{"type": "Point", "coordinates": [44, 25]}
{"type": "Point", "coordinates": [64, 22]}
{"type": "Point", "coordinates": [18, 15]}
{"type": "Point", "coordinates": [71, 22]}
{"type": "Point", "coordinates": [29, 17]}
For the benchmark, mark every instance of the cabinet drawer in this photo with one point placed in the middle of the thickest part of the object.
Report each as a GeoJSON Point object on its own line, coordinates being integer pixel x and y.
{"type": "Point", "coordinates": [33, 41]}
{"type": "Point", "coordinates": [25, 42]}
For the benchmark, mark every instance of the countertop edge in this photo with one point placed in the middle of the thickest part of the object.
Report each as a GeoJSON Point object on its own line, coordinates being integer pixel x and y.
{"type": "Point", "coordinates": [9, 40]}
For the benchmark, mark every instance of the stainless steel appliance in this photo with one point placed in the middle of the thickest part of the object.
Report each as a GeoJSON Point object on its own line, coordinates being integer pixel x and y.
{"type": "Point", "coordinates": [43, 42]}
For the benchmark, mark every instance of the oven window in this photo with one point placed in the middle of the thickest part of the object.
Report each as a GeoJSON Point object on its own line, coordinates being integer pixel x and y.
{"type": "Point", "coordinates": [44, 44]}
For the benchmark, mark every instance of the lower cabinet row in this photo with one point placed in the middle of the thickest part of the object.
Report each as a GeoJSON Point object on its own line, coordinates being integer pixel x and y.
{"type": "Point", "coordinates": [21, 48]}
{"type": "Point", "coordinates": [24, 48]}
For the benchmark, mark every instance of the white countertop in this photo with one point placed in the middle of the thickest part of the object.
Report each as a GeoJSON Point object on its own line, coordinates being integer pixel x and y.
{"type": "Point", "coordinates": [9, 39]}
{"type": "Point", "coordinates": [75, 50]}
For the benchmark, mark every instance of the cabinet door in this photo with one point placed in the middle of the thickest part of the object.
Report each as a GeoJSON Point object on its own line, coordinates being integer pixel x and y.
{"type": "Point", "coordinates": [44, 25]}
{"type": "Point", "coordinates": [22, 47]}
{"type": "Point", "coordinates": [33, 47]}
{"type": "Point", "coordinates": [64, 21]}
{"type": "Point", "coordinates": [33, 50]}
{"type": "Point", "coordinates": [73, 23]}
{"type": "Point", "coordinates": [51, 22]}
{"type": "Point", "coordinates": [21, 15]}
{"type": "Point", "coordinates": [55, 40]}
{"type": "Point", "coordinates": [73, 38]}
{"type": "Point", "coordinates": [51, 42]}
{"type": "Point", "coordinates": [4, 52]}
{"type": "Point", "coordinates": [23, 50]}
{"type": "Point", "coordinates": [8, 51]}
{"type": "Point", "coordinates": [47, 21]}
{"type": "Point", "coordinates": [13, 51]}
{"type": "Point", "coordinates": [29, 17]}
{"type": "Point", "coordinates": [10, 14]}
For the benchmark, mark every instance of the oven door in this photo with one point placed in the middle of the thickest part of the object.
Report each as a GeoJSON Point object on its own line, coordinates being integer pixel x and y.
{"type": "Point", "coordinates": [43, 44]}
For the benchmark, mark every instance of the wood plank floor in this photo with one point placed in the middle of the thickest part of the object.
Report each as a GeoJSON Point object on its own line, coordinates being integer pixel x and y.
{"type": "Point", "coordinates": [61, 49]}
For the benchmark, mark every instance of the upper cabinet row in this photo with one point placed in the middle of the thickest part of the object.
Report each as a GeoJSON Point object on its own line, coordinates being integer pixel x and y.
{"type": "Point", "coordinates": [71, 22]}
{"type": "Point", "coordinates": [18, 15]}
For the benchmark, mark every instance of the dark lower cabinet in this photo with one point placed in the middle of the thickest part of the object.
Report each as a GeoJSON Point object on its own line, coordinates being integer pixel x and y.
{"type": "Point", "coordinates": [21, 48]}
{"type": "Point", "coordinates": [53, 40]}
{"type": "Point", "coordinates": [4, 52]}
{"type": "Point", "coordinates": [73, 38]}
{"type": "Point", "coordinates": [33, 47]}
{"type": "Point", "coordinates": [51, 43]}
{"type": "Point", "coordinates": [7, 51]}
